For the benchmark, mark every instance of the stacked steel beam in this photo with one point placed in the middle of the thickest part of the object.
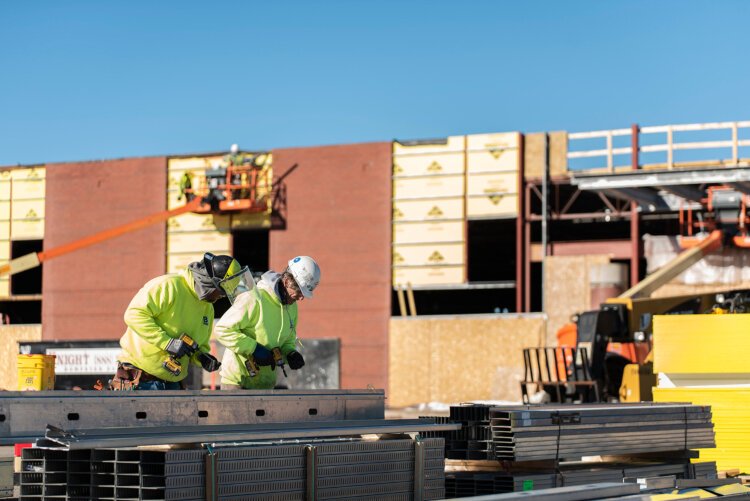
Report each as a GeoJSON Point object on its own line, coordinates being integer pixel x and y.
{"type": "Point", "coordinates": [464, 484]}
{"type": "Point", "coordinates": [343, 469]}
{"type": "Point", "coordinates": [523, 433]}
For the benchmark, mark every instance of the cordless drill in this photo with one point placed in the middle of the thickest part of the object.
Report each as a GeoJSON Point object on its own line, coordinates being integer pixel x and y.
{"type": "Point", "coordinates": [278, 360]}
{"type": "Point", "coordinates": [171, 364]}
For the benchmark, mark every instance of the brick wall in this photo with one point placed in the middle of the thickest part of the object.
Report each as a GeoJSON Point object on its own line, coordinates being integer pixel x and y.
{"type": "Point", "coordinates": [339, 212]}
{"type": "Point", "coordinates": [86, 292]}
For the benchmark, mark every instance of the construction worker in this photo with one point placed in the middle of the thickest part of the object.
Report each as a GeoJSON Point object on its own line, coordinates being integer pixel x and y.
{"type": "Point", "coordinates": [260, 329]}
{"type": "Point", "coordinates": [169, 323]}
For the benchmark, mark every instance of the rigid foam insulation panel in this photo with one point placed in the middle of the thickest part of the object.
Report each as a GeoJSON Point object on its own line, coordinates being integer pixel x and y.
{"type": "Point", "coordinates": [459, 358]}
{"type": "Point", "coordinates": [10, 336]}
{"type": "Point", "coordinates": [701, 344]}
{"type": "Point", "coordinates": [27, 203]}
{"type": "Point", "coordinates": [492, 163]}
{"type": "Point", "coordinates": [534, 154]}
{"type": "Point", "coordinates": [731, 418]}
{"type": "Point", "coordinates": [567, 289]}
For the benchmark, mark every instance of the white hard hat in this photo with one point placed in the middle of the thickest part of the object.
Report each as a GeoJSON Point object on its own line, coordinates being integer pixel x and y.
{"type": "Point", "coordinates": [234, 149]}
{"type": "Point", "coordinates": [306, 273]}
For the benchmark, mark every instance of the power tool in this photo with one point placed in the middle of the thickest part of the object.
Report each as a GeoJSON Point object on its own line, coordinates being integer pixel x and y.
{"type": "Point", "coordinates": [172, 364]}
{"type": "Point", "coordinates": [278, 360]}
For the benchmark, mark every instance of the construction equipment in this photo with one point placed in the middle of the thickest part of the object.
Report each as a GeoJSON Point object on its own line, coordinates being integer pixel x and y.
{"type": "Point", "coordinates": [278, 360]}
{"type": "Point", "coordinates": [244, 187]}
{"type": "Point", "coordinates": [251, 366]}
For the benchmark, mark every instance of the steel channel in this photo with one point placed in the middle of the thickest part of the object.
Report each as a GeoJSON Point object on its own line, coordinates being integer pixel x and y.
{"type": "Point", "coordinates": [25, 415]}
{"type": "Point", "coordinates": [129, 437]}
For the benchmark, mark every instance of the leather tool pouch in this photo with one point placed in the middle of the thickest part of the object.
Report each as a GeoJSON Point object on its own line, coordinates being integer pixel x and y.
{"type": "Point", "coordinates": [126, 378]}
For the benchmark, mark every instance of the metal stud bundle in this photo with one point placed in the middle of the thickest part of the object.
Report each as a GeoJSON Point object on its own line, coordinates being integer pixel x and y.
{"type": "Point", "coordinates": [523, 433]}
{"type": "Point", "coordinates": [312, 469]}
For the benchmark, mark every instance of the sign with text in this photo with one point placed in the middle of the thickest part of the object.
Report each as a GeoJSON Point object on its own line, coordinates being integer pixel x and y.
{"type": "Point", "coordinates": [85, 360]}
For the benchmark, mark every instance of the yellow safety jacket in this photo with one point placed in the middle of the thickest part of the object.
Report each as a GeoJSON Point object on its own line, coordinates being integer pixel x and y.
{"type": "Point", "coordinates": [163, 309]}
{"type": "Point", "coordinates": [257, 316]}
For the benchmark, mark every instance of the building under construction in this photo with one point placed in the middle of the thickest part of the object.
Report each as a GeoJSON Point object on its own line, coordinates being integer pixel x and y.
{"type": "Point", "coordinates": [464, 223]}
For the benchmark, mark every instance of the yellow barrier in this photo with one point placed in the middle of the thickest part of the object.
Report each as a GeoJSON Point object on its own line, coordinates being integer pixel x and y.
{"type": "Point", "coordinates": [36, 372]}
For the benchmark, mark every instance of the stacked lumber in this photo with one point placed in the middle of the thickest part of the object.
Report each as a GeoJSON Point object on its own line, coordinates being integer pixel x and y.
{"type": "Point", "coordinates": [524, 433]}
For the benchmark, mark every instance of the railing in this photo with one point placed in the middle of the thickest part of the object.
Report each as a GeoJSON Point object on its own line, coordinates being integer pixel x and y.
{"type": "Point", "coordinates": [660, 140]}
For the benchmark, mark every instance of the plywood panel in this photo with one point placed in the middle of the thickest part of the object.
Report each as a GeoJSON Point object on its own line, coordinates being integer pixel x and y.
{"type": "Point", "coordinates": [492, 141]}
{"type": "Point", "coordinates": [11, 335]}
{"type": "Point", "coordinates": [27, 229]}
{"type": "Point", "coordinates": [422, 165]}
{"type": "Point", "coordinates": [417, 233]}
{"type": "Point", "coordinates": [534, 154]}
{"type": "Point", "coordinates": [197, 222]}
{"type": "Point", "coordinates": [471, 357]}
{"type": "Point", "coordinates": [426, 210]}
{"type": "Point", "coordinates": [199, 241]}
{"type": "Point", "coordinates": [28, 173]}
{"type": "Point", "coordinates": [428, 187]}
{"type": "Point", "coordinates": [27, 209]}
{"type": "Point", "coordinates": [492, 205]}
{"type": "Point", "coordinates": [409, 369]}
{"type": "Point", "coordinates": [486, 184]}
{"type": "Point", "coordinates": [429, 275]}
{"type": "Point", "coordinates": [568, 289]}
{"type": "Point", "coordinates": [428, 254]}
{"type": "Point", "coordinates": [449, 144]}
{"type": "Point", "coordinates": [28, 189]}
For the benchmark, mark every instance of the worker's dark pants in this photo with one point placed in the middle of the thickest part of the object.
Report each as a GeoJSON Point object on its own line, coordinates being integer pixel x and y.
{"type": "Point", "coordinates": [158, 385]}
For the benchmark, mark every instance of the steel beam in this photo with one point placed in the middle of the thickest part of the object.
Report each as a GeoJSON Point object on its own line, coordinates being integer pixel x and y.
{"type": "Point", "coordinates": [26, 414]}
{"type": "Point", "coordinates": [641, 179]}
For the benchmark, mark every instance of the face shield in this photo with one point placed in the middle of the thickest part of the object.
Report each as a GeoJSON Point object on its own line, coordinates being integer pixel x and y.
{"type": "Point", "coordinates": [236, 284]}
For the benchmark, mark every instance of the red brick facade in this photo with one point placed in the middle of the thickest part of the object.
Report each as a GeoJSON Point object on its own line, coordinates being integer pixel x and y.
{"type": "Point", "coordinates": [339, 212]}
{"type": "Point", "coordinates": [86, 292]}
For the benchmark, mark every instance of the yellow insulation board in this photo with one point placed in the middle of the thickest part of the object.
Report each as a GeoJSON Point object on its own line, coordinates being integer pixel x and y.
{"type": "Point", "coordinates": [701, 344]}
{"type": "Point", "coordinates": [731, 417]}
{"type": "Point", "coordinates": [424, 165]}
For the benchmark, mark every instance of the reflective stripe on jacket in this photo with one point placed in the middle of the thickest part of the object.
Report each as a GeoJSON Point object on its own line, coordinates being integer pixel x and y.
{"type": "Point", "coordinates": [257, 316]}
{"type": "Point", "coordinates": [163, 309]}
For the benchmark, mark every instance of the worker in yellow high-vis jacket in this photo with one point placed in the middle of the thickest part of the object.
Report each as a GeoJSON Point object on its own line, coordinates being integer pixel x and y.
{"type": "Point", "coordinates": [263, 320]}
{"type": "Point", "coordinates": [169, 323]}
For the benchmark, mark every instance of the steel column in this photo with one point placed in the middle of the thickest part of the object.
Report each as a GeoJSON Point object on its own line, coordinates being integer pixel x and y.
{"type": "Point", "coordinates": [635, 242]}
{"type": "Point", "coordinates": [520, 224]}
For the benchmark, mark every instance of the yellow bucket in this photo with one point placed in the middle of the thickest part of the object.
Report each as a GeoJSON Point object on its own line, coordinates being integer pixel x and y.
{"type": "Point", "coordinates": [36, 372]}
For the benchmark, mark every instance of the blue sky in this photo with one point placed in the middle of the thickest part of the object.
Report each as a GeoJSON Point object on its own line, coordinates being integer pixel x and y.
{"type": "Point", "coordinates": [85, 80]}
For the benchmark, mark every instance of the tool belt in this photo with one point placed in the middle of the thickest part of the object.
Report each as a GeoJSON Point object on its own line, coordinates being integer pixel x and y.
{"type": "Point", "coordinates": [128, 377]}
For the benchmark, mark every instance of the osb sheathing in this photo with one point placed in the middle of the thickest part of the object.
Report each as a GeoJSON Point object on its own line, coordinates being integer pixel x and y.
{"type": "Point", "coordinates": [459, 358]}
{"type": "Point", "coordinates": [10, 336]}
{"type": "Point", "coordinates": [567, 289]}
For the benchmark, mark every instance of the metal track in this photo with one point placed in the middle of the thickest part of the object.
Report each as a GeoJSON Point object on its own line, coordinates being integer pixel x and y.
{"type": "Point", "coordinates": [25, 415]}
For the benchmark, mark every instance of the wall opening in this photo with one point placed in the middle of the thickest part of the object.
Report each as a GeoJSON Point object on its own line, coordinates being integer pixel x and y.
{"type": "Point", "coordinates": [460, 302]}
{"type": "Point", "coordinates": [30, 281]}
{"type": "Point", "coordinates": [21, 312]}
{"type": "Point", "coordinates": [251, 248]}
{"type": "Point", "coordinates": [492, 250]}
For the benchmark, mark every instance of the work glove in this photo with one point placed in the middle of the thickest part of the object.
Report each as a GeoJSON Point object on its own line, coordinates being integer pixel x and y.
{"type": "Point", "coordinates": [208, 362]}
{"type": "Point", "coordinates": [263, 355]}
{"type": "Point", "coordinates": [295, 360]}
{"type": "Point", "coordinates": [177, 348]}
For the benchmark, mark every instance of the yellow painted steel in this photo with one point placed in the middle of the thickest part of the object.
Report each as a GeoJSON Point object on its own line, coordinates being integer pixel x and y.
{"type": "Point", "coordinates": [731, 418]}
{"type": "Point", "coordinates": [702, 344]}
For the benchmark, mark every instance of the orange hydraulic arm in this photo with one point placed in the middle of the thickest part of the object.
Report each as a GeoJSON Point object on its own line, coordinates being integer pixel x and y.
{"type": "Point", "coordinates": [34, 259]}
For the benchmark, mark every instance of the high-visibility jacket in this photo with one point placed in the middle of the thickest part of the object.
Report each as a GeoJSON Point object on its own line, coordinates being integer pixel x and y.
{"type": "Point", "coordinates": [164, 308]}
{"type": "Point", "coordinates": [257, 316]}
